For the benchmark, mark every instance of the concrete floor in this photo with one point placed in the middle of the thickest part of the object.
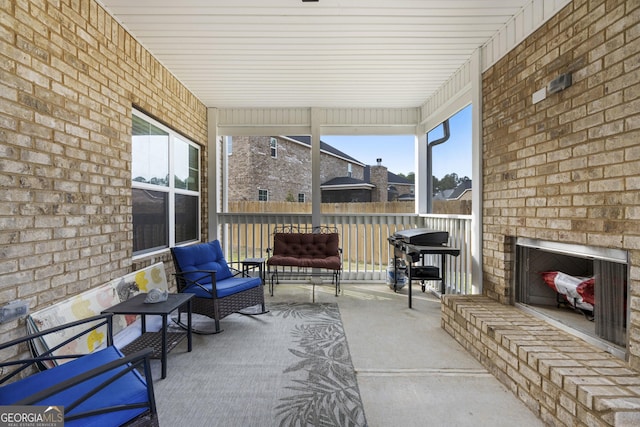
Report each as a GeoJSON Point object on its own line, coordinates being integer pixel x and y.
{"type": "Point", "coordinates": [410, 371]}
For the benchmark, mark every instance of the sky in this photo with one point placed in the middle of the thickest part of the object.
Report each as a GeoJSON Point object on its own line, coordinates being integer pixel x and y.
{"type": "Point", "coordinates": [398, 152]}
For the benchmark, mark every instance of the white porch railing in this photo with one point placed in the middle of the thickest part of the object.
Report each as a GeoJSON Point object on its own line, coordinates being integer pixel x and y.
{"type": "Point", "coordinates": [363, 239]}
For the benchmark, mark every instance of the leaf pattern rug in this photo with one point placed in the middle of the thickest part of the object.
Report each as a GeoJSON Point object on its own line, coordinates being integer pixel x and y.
{"type": "Point", "coordinates": [289, 367]}
{"type": "Point", "coordinates": [328, 394]}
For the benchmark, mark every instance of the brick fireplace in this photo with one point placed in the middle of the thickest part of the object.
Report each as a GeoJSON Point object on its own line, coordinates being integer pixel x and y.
{"type": "Point", "coordinates": [566, 169]}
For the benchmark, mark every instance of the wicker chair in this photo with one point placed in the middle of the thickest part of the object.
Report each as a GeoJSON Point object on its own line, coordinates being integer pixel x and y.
{"type": "Point", "coordinates": [219, 290]}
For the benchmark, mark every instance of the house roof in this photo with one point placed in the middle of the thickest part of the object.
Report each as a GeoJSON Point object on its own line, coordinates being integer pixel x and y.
{"type": "Point", "coordinates": [344, 182]}
{"type": "Point", "coordinates": [407, 197]}
{"type": "Point", "coordinates": [460, 189]}
{"type": "Point", "coordinates": [443, 195]}
{"type": "Point", "coordinates": [306, 140]}
{"type": "Point", "coordinates": [454, 193]}
{"type": "Point", "coordinates": [397, 179]}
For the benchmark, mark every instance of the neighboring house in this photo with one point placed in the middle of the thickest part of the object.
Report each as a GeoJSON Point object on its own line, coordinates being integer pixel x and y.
{"type": "Point", "coordinates": [374, 187]}
{"type": "Point", "coordinates": [344, 189]}
{"type": "Point", "coordinates": [455, 201]}
{"type": "Point", "coordinates": [443, 195]}
{"type": "Point", "coordinates": [400, 188]}
{"type": "Point", "coordinates": [278, 168]}
{"type": "Point", "coordinates": [461, 192]}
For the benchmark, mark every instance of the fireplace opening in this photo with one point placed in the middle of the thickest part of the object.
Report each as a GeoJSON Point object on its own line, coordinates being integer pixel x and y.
{"type": "Point", "coordinates": [581, 289]}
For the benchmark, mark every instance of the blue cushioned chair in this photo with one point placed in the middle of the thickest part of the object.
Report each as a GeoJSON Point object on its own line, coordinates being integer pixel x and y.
{"type": "Point", "coordinates": [202, 270]}
{"type": "Point", "coordinates": [103, 388]}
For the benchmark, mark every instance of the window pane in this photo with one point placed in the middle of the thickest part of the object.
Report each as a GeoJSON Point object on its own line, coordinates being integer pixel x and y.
{"type": "Point", "coordinates": [150, 228]}
{"type": "Point", "coordinates": [163, 164]}
{"type": "Point", "coordinates": [274, 147]}
{"type": "Point", "coordinates": [150, 153]}
{"type": "Point", "coordinates": [452, 165]}
{"type": "Point", "coordinates": [186, 166]}
{"type": "Point", "coordinates": [186, 218]}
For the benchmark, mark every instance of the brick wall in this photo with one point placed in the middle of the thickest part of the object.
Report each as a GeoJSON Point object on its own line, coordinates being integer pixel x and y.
{"type": "Point", "coordinates": [379, 178]}
{"type": "Point", "coordinates": [567, 168]}
{"type": "Point", "coordinates": [251, 167]}
{"type": "Point", "coordinates": [332, 167]}
{"type": "Point", "coordinates": [69, 78]}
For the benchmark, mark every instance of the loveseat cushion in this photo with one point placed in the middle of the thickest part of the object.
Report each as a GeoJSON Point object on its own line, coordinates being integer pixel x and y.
{"type": "Point", "coordinates": [316, 250]}
{"type": "Point", "coordinates": [226, 287]}
{"type": "Point", "coordinates": [329, 263]}
{"type": "Point", "coordinates": [202, 256]}
{"type": "Point", "coordinates": [130, 388]}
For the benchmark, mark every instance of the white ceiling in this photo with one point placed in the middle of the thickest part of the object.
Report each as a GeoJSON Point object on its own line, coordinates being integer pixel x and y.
{"type": "Point", "coordinates": [330, 53]}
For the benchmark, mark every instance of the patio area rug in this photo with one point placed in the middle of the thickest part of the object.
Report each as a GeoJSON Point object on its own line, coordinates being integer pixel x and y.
{"type": "Point", "coordinates": [289, 367]}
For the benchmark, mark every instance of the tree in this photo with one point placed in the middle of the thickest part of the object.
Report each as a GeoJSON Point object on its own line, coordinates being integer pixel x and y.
{"type": "Point", "coordinates": [290, 197]}
{"type": "Point", "coordinates": [411, 177]}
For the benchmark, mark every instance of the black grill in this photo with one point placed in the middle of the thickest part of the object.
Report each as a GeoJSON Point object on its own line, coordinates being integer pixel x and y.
{"type": "Point", "coordinates": [420, 237]}
{"type": "Point", "coordinates": [413, 244]}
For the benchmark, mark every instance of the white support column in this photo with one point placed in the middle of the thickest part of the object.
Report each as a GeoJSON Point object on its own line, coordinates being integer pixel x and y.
{"type": "Point", "coordinates": [420, 161]}
{"type": "Point", "coordinates": [476, 174]}
{"type": "Point", "coordinates": [212, 170]}
{"type": "Point", "coordinates": [223, 167]}
{"type": "Point", "coordinates": [316, 195]}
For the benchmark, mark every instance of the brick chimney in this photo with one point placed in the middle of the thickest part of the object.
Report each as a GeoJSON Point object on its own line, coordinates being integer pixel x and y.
{"type": "Point", "coordinates": [379, 177]}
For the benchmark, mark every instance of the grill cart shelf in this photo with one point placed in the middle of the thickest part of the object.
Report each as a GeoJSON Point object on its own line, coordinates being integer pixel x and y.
{"type": "Point", "coordinates": [425, 272]}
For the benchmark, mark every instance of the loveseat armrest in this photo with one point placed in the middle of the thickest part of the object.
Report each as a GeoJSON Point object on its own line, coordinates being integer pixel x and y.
{"type": "Point", "coordinates": [101, 388]}
{"type": "Point", "coordinates": [139, 360]}
{"type": "Point", "coordinates": [93, 323]}
{"type": "Point", "coordinates": [104, 383]}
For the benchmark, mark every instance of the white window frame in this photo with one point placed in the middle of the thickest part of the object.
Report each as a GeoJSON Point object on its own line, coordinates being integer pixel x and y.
{"type": "Point", "coordinates": [302, 198]}
{"type": "Point", "coordinates": [170, 189]}
{"type": "Point", "coordinates": [263, 191]}
{"type": "Point", "coordinates": [273, 147]}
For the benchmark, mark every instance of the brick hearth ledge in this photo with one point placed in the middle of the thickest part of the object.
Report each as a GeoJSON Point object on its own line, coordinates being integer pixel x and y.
{"type": "Point", "coordinates": [561, 378]}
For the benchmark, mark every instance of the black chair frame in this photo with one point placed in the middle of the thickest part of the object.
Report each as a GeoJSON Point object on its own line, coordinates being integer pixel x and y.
{"type": "Point", "coordinates": [139, 361]}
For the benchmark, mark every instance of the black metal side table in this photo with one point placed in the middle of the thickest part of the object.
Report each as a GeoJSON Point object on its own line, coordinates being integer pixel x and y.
{"type": "Point", "coordinates": [249, 264]}
{"type": "Point", "coordinates": [162, 341]}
